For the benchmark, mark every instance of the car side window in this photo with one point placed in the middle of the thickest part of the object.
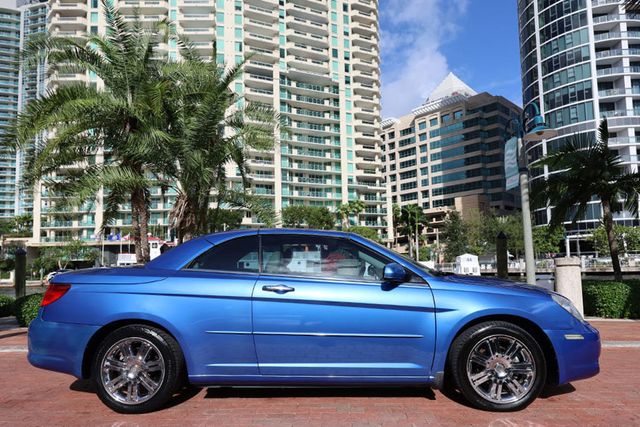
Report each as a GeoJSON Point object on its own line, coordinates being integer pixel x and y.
{"type": "Point", "coordinates": [236, 255]}
{"type": "Point", "coordinates": [322, 256]}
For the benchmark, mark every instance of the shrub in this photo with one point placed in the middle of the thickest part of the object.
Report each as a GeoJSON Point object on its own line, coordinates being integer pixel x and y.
{"type": "Point", "coordinates": [26, 308]}
{"type": "Point", "coordinates": [618, 300]}
{"type": "Point", "coordinates": [6, 305]}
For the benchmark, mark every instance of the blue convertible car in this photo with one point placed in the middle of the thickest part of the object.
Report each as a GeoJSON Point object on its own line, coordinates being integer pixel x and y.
{"type": "Point", "coordinates": [299, 308]}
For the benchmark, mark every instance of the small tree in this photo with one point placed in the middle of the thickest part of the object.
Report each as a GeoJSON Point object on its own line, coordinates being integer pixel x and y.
{"type": "Point", "coordinates": [547, 239]}
{"type": "Point", "coordinates": [316, 217]}
{"type": "Point", "coordinates": [628, 239]}
{"type": "Point", "coordinates": [224, 219]}
{"type": "Point", "coordinates": [61, 257]}
{"type": "Point", "coordinates": [366, 232]}
{"type": "Point", "coordinates": [294, 216]}
{"type": "Point", "coordinates": [320, 218]}
{"type": "Point", "coordinates": [454, 236]}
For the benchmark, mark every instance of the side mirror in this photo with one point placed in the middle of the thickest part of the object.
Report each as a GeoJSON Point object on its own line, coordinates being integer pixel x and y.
{"type": "Point", "coordinates": [394, 273]}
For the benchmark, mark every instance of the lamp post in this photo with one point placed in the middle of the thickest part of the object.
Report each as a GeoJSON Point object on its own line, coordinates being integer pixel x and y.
{"type": "Point", "coordinates": [539, 131]}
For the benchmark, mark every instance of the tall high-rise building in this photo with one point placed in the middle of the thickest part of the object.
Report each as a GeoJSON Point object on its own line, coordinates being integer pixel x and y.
{"type": "Point", "coordinates": [316, 62]}
{"type": "Point", "coordinates": [449, 153]}
{"type": "Point", "coordinates": [581, 63]}
{"type": "Point", "coordinates": [9, 101]}
{"type": "Point", "coordinates": [17, 86]}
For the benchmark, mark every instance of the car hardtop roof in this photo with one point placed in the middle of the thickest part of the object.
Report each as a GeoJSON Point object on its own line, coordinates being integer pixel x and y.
{"type": "Point", "coordinates": [225, 235]}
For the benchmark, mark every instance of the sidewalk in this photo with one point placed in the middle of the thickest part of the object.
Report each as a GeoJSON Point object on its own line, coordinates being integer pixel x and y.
{"type": "Point", "coordinates": [612, 398]}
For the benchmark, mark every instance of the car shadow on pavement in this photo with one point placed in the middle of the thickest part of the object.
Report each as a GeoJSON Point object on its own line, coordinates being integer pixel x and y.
{"type": "Point", "coordinates": [184, 394]}
{"type": "Point", "coordinates": [558, 390]}
{"type": "Point", "coordinates": [271, 392]}
{"type": "Point", "coordinates": [13, 334]}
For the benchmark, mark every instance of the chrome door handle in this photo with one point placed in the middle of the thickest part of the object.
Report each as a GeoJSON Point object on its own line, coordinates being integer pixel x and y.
{"type": "Point", "coordinates": [278, 289]}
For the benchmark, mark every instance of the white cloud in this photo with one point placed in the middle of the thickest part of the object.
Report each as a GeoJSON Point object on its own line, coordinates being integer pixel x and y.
{"type": "Point", "coordinates": [412, 34]}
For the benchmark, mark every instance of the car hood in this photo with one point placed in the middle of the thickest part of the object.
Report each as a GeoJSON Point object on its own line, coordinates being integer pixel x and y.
{"type": "Point", "coordinates": [109, 276]}
{"type": "Point", "coordinates": [491, 282]}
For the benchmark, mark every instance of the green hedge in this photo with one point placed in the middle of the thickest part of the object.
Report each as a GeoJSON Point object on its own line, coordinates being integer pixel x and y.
{"type": "Point", "coordinates": [617, 300]}
{"type": "Point", "coordinates": [26, 308]}
{"type": "Point", "coordinates": [6, 305]}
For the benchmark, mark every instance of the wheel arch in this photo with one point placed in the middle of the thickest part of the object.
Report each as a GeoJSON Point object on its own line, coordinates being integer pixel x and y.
{"type": "Point", "coordinates": [526, 324]}
{"type": "Point", "coordinates": [100, 334]}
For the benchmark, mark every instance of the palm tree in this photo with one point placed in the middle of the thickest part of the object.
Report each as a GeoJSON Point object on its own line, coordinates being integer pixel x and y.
{"type": "Point", "coordinates": [412, 223]}
{"type": "Point", "coordinates": [213, 127]}
{"type": "Point", "coordinates": [632, 5]}
{"type": "Point", "coordinates": [124, 122]}
{"type": "Point", "coordinates": [589, 168]}
{"type": "Point", "coordinates": [346, 210]}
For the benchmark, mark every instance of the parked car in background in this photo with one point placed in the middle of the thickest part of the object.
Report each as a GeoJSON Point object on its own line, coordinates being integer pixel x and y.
{"type": "Point", "coordinates": [305, 308]}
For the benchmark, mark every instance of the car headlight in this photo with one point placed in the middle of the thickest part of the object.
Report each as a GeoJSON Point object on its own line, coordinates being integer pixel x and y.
{"type": "Point", "coordinates": [565, 303]}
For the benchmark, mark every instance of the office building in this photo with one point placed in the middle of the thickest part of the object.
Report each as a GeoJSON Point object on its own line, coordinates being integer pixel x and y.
{"type": "Point", "coordinates": [449, 153]}
{"type": "Point", "coordinates": [316, 62]}
{"type": "Point", "coordinates": [581, 63]}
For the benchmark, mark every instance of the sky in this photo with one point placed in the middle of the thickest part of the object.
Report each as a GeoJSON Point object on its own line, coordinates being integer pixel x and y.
{"type": "Point", "coordinates": [423, 40]}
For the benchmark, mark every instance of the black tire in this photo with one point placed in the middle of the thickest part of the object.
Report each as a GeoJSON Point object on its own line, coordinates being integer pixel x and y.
{"type": "Point", "coordinates": [502, 354]}
{"type": "Point", "coordinates": [149, 385]}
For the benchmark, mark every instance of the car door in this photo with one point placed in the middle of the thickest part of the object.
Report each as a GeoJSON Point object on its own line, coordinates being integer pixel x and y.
{"type": "Point", "coordinates": [320, 309]}
{"type": "Point", "coordinates": [216, 290]}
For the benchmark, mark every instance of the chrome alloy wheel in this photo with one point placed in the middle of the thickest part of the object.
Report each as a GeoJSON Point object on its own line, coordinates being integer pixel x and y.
{"type": "Point", "coordinates": [132, 370]}
{"type": "Point", "coordinates": [501, 369]}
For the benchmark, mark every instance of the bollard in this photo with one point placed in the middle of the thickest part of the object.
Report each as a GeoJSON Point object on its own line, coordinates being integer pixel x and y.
{"type": "Point", "coordinates": [20, 277]}
{"type": "Point", "coordinates": [502, 261]}
{"type": "Point", "coordinates": [569, 280]}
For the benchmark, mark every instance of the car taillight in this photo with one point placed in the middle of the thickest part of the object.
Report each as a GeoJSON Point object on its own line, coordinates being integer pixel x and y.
{"type": "Point", "coordinates": [54, 293]}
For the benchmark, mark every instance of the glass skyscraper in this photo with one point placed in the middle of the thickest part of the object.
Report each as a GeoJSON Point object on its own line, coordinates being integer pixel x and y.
{"type": "Point", "coordinates": [581, 63]}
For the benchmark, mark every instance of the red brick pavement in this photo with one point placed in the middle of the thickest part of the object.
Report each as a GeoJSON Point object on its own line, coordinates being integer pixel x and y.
{"type": "Point", "coordinates": [33, 397]}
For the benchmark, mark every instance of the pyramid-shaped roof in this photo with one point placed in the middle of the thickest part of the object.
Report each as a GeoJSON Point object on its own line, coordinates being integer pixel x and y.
{"type": "Point", "coordinates": [450, 86]}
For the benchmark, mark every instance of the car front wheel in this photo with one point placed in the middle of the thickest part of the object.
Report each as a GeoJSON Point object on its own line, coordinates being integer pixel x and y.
{"type": "Point", "coordinates": [497, 366]}
{"type": "Point", "coordinates": [137, 368]}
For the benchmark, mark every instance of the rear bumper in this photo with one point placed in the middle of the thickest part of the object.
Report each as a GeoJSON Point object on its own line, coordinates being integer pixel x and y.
{"type": "Point", "coordinates": [577, 352]}
{"type": "Point", "coordinates": [58, 347]}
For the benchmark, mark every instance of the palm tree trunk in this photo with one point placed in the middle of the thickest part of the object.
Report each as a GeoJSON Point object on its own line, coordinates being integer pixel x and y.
{"type": "Point", "coordinates": [135, 225]}
{"type": "Point", "coordinates": [613, 242]}
{"type": "Point", "coordinates": [144, 232]}
{"type": "Point", "coordinates": [141, 225]}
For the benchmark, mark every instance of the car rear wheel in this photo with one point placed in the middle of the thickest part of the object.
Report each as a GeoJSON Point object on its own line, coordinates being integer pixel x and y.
{"type": "Point", "coordinates": [497, 366]}
{"type": "Point", "coordinates": [137, 368]}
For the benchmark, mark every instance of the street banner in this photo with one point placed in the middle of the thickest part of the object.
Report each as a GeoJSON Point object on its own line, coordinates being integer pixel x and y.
{"type": "Point", "coordinates": [511, 163]}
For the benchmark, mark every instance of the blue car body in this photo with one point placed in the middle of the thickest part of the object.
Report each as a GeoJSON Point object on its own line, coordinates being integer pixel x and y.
{"type": "Point", "coordinates": [329, 331]}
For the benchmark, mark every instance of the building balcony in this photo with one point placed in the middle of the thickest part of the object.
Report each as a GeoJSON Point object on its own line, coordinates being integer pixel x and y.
{"type": "Point", "coordinates": [306, 25]}
{"type": "Point", "coordinates": [187, 17]}
{"type": "Point", "coordinates": [151, 7]}
{"type": "Point", "coordinates": [307, 12]}
{"type": "Point", "coordinates": [69, 22]}
{"type": "Point", "coordinates": [261, 13]}
{"type": "Point", "coordinates": [198, 33]}
{"type": "Point", "coordinates": [366, 18]}
{"type": "Point", "coordinates": [259, 26]}
{"type": "Point", "coordinates": [199, 4]}
{"type": "Point", "coordinates": [68, 9]}
{"type": "Point", "coordinates": [261, 41]}
{"type": "Point", "coordinates": [364, 52]}
{"type": "Point", "coordinates": [307, 38]}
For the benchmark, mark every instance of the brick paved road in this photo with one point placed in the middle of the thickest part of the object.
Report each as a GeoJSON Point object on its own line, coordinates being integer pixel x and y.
{"type": "Point", "coordinates": [30, 397]}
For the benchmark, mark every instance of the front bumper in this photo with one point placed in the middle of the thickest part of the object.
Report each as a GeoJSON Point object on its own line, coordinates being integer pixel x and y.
{"type": "Point", "coordinates": [58, 347]}
{"type": "Point", "coordinates": [577, 352]}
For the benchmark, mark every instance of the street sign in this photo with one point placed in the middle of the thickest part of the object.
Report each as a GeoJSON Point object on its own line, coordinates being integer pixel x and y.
{"type": "Point", "coordinates": [511, 163]}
